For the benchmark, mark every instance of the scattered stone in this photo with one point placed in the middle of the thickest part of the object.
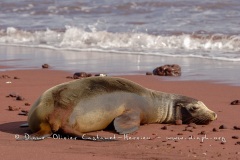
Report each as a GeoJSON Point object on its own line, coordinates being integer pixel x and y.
{"type": "Point", "coordinates": [222, 142]}
{"type": "Point", "coordinates": [4, 76]}
{"type": "Point", "coordinates": [19, 98]}
{"type": "Point", "coordinates": [101, 75]}
{"type": "Point", "coordinates": [215, 130]}
{"type": "Point", "coordinates": [237, 143]}
{"type": "Point", "coordinates": [188, 129]}
{"type": "Point", "coordinates": [168, 70]}
{"type": "Point", "coordinates": [180, 134]}
{"type": "Point", "coordinates": [164, 128]}
{"type": "Point", "coordinates": [178, 122]}
{"type": "Point", "coordinates": [235, 137]}
{"type": "Point", "coordinates": [236, 127]}
{"type": "Point", "coordinates": [44, 66]}
{"type": "Point", "coordinates": [222, 127]}
{"type": "Point", "coordinates": [202, 133]}
{"type": "Point", "coordinates": [27, 104]}
{"type": "Point", "coordinates": [16, 78]}
{"type": "Point", "coordinates": [13, 108]}
{"type": "Point", "coordinates": [23, 112]}
{"type": "Point", "coordinates": [78, 75]}
{"type": "Point", "coordinates": [69, 77]}
{"type": "Point", "coordinates": [149, 73]}
{"type": "Point", "coordinates": [89, 75]}
{"type": "Point", "coordinates": [13, 95]}
{"type": "Point", "coordinates": [193, 125]}
{"type": "Point", "coordinates": [236, 102]}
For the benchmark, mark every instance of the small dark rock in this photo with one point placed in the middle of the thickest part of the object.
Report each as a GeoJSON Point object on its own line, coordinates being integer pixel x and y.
{"type": "Point", "coordinates": [202, 133]}
{"type": "Point", "coordinates": [149, 73]}
{"type": "Point", "coordinates": [78, 75]}
{"type": "Point", "coordinates": [168, 70]}
{"type": "Point", "coordinates": [164, 128]}
{"type": "Point", "coordinates": [215, 130]}
{"type": "Point", "coordinates": [69, 77]}
{"type": "Point", "coordinates": [237, 143]}
{"type": "Point", "coordinates": [192, 125]}
{"type": "Point", "coordinates": [13, 95]}
{"type": "Point", "coordinates": [89, 75]}
{"type": "Point", "coordinates": [100, 75]}
{"type": "Point", "coordinates": [13, 108]}
{"type": "Point", "coordinates": [222, 127]}
{"type": "Point", "coordinates": [27, 104]}
{"type": "Point", "coordinates": [188, 129]}
{"type": "Point", "coordinates": [23, 112]}
{"type": "Point", "coordinates": [178, 122]}
{"type": "Point", "coordinates": [236, 102]}
{"type": "Point", "coordinates": [16, 78]}
{"type": "Point", "coordinates": [45, 66]}
{"type": "Point", "coordinates": [5, 76]}
{"type": "Point", "coordinates": [180, 134]}
{"type": "Point", "coordinates": [236, 127]}
{"type": "Point", "coordinates": [19, 98]}
{"type": "Point", "coordinates": [235, 137]}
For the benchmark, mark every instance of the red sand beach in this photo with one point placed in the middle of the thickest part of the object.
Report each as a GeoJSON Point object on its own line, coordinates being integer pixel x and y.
{"type": "Point", "coordinates": [149, 142]}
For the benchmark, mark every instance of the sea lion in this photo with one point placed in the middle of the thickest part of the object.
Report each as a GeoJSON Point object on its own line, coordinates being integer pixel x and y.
{"type": "Point", "coordinates": [91, 104]}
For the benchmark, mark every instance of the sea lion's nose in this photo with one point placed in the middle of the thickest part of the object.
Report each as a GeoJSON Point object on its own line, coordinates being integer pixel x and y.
{"type": "Point", "coordinates": [214, 115]}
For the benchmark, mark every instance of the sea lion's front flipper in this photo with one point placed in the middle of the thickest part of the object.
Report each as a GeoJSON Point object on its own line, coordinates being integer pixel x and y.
{"type": "Point", "coordinates": [128, 122]}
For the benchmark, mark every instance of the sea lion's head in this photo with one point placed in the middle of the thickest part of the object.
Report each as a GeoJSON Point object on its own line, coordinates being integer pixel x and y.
{"type": "Point", "coordinates": [194, 112]}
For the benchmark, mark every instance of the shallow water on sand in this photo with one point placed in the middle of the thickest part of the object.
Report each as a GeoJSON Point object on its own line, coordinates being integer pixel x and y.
{"type": "Point", "coordinates": [118, 64]}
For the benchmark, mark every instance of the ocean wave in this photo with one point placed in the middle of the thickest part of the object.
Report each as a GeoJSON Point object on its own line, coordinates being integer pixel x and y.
{"type": "Point", "coordinates": [198, 44]}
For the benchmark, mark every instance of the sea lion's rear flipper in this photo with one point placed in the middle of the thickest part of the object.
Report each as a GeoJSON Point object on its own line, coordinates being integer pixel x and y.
{"type": "Point", "coordinates": [44, 132]}
{"type": "Point", "coordinates": [128, 122]}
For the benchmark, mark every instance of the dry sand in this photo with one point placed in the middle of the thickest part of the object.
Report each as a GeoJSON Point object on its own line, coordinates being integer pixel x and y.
{"type": "Point", "coordinates": [199, 142]}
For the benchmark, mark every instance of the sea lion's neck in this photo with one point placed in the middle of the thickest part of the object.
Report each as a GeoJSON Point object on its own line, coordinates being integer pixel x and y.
{"type": "Point", "coordinates": [164, 103]}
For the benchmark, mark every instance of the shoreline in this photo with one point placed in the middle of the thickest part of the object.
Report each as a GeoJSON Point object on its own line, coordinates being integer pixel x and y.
{"type": "Point", "coordinates": [118, 64]}
{"type": "Point", "coordinates": [150, 140]}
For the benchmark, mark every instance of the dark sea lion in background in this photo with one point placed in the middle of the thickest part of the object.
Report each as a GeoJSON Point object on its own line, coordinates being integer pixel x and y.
{"type": "Point", "coordinates": [91, 104]}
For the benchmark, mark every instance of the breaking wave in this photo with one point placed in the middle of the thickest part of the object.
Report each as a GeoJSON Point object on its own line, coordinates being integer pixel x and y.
{"type": "Point", "coordinates": [199, 44]}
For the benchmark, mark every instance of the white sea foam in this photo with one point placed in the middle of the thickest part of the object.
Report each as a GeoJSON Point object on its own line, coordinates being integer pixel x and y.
{"type": "Point", "coordinates": [216, 46]}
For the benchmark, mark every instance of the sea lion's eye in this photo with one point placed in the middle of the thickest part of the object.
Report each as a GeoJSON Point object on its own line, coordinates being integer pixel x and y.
{"type": "Point", "coordinates": [194, 108]}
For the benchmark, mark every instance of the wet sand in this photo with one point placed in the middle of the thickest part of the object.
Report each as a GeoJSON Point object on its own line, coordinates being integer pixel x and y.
{"type": "Point", "coordinates": [199, 142]}
{"type": "Point", "coordinates": [19, 58]}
